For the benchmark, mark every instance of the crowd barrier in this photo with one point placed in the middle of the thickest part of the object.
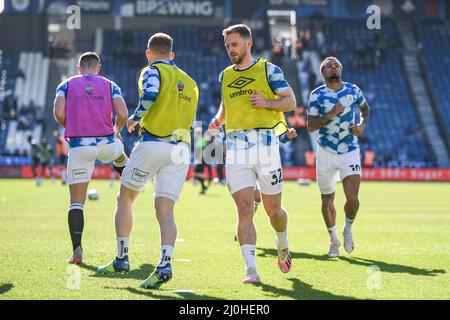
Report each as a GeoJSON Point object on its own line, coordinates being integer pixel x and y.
{"type": "Point", "coordinates": [289, 173]}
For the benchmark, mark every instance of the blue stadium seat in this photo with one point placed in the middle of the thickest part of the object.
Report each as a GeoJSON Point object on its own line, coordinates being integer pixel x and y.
{"type": "Point", "coordinates": [435, 37]}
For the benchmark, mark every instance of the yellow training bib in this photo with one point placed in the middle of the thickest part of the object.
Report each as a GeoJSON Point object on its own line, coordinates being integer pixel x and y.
{"type": "Point", "coordinates": [237, 87]}
{"type": "Point", "coordinates": [174, 110]}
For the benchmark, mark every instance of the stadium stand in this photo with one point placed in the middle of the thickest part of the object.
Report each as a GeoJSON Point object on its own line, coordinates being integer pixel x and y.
{"type": "Point", "coordinates": [435, 38]}
{"type": "Point", "coordinates": [373, 62]}
{"type": "Point", "coordinates": [30, 88]}
{"type": "Point", "coordinates": [371, 59]}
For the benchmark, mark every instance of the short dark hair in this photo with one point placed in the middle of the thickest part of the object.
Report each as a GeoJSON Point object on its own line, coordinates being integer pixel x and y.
{"type": "Point", "coordinates": [243, 30]}
{"type": "Point", "coordinates": [89, 60]}
{"type": "Point", "coordinates": [161, 43]}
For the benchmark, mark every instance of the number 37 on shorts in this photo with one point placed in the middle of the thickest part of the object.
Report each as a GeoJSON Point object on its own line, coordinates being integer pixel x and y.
{"type": "Point", "coordinates": [277, 176]}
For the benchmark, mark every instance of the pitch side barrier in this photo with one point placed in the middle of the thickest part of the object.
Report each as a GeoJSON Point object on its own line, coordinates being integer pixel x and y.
{"type": "Point", "coordinates": [289, 173]}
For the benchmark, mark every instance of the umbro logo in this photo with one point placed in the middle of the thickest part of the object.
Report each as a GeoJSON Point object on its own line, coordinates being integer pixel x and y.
{"type": "Point", "coordinates": [240, 82]}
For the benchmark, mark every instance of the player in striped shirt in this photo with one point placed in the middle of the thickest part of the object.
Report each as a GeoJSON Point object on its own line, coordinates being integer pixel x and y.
{"type": "Point", "coordinates": [332, 110]}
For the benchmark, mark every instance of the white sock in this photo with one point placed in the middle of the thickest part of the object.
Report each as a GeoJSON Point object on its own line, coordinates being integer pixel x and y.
{"type": "Point", "coordinates": [248, 252]}
{"type": "Point", "coordinates": [166, 255]}
{"type": "Point", "coordinates": [332, 232]}
{"type": "Point", "coordinates": [122, 247]}
{"type": "Point", "coordinates": [282, 240]}
{"type": "Point", "coordinates": [256, 205]}
{"type": "Point", "coordinates": [63, 175]}
{"type": "Point", "coordinates": [348, 224]}
{"type": "Point", "coordinates": [122, 164]}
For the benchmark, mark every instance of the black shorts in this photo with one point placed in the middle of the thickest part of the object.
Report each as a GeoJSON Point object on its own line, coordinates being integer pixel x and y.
{"type": "Point", "coordinates": [62, 159]}
{"type": "Point", "coordinates": [199, 168]}
{"type": "Point", "coordinates": [45, 164]}
{"type": "Point", "coordinates": [35, 161]}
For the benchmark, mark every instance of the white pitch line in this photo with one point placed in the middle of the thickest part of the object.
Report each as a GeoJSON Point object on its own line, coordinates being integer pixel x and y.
{"type": "Point", "coordinates": [182, 260]}
{"type": "Point", "coordinates": [180, 240]}
{"type": "Point", "coordinates": [179, 291]}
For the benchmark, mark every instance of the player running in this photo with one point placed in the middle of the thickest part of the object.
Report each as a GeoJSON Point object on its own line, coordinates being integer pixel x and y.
{"type": "Point", "coordinates": [61, 155]}
{"type": "Point", "coordinates": [46, 151]}
{"type": "Point", "coordinates": [199, 169]}
{"type": "Point", "coordinates": [35, 159]}
{"type": "Point", "coordinates": [84, 106]}
{"type": "Point", "coordinates": [289, 135]}
{"type": "Point", "coordinates": [255, 95]}
{"type": "Point", "coordinates": [331, 110]}
{"type": "Point", "coordinates": [166, 110]}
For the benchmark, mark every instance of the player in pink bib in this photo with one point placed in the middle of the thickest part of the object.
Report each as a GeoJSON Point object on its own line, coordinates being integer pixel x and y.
{"type": "Point", "coordinates": [84, 106]}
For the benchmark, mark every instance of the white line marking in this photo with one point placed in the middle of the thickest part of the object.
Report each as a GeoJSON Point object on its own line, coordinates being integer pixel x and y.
{"type": "Point", "coordinates": [182, 260]}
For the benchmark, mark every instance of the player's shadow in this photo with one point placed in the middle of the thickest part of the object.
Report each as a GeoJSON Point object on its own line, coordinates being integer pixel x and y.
{"type": "Point", "coordinates": [301, 291]}
{"type": "Point", "coordinates": [265, 252]}
{"type": "Point", "coordinates": [384, 266]}
{"type": "Point", "coordinates": [156, 294]}
{"type": "Point", "coordinates": [210, 195]}
{"type": "Point", "coordinates": [141, 273]}
{"type": "Point", "coordinates": [392, 267]}
{"type": "Point", "coordinates": [5, 287]}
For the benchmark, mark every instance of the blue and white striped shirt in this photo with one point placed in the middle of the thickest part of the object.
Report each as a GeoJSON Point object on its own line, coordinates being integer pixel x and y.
{"type": "Point", "coordinates": [151, 82]}
{"type": "Point", "coordinates": [91, 141]}
{"type": "Point", "coordinates": [335, 136]}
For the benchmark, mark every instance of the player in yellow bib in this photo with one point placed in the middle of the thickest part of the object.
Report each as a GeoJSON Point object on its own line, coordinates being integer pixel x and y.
{"type": "Point", "coordinates": [255, 96]}
{"type": "Point", "coordinates": [166, 110]}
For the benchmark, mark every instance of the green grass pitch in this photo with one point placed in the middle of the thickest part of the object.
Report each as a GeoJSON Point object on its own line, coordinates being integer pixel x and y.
{"type": "Point", "coordinates": [402, 239]}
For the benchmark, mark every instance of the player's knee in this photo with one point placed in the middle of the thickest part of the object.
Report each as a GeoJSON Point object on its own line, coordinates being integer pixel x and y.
{"type": "Point", "coordinates": [165, 217]}
{"type": "Point", "coordinates": [164, 210]}
{"type": "Point", "coordinates": [327, 201]}
{"type": "Point", "coordinates": [353, 201]}
{"type": "Point", "coordinates": [327, 198]}
{"type": "Point", "coordinates": [124, 199]}
{"type": "Point", "coordinates": [164, 205]}
{"type": "Point", "coordinates": [245, 210]}
{"type": "Point", "coordinates": [273, 210]}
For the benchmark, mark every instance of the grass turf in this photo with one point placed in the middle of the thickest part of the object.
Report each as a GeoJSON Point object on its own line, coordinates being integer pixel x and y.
{"type": "Point", "coordinates": [402, 229]}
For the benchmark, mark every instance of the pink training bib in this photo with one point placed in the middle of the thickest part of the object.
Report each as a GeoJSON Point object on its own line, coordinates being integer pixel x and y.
{"type": "Point", "coordinates": [89, 107]}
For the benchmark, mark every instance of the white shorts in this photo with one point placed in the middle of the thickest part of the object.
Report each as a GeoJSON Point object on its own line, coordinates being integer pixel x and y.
{"type": "Point", "coordinates": [81, 160]}
{"type": "Point", "coordinates": [259, 164]}
{"type": "Point", "coordinates": [167, 164]}
{"type": "Point", "coordinates": [331, 168]}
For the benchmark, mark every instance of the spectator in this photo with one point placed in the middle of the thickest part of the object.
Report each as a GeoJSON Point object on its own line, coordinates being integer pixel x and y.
{"type": "Point", "coordinates": [20, 75]}
{"type": "Point", "coordinates": [310, 159]}
{"type": "Point", "coordinates": [369, 158]}
{"type": "Point", "coordinates": [6, 110]}
{"type": "Point", "coordinates": [39, 115]}
{"type": "Point", "coordinates": [22, 120]}
{"type": "Point", "coordinates": [312, 79]}
{"type": "Point", "coordinates": [277, 49]}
